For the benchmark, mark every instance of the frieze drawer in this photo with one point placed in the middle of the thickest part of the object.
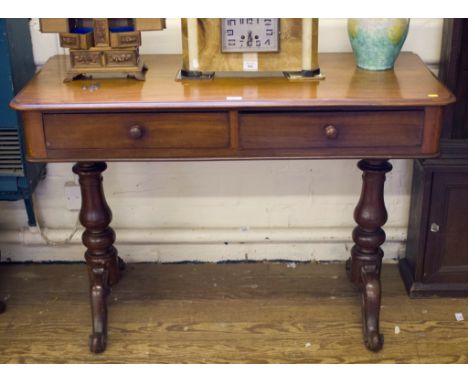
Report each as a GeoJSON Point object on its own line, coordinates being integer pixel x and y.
{"type": "Point", "coordinates": [137, 130]}
{"type": "Point", "coordinates": [305, 130]}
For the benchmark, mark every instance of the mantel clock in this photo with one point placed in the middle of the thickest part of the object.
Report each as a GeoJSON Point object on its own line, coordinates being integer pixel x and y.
{"type": "Point", "coordinates": [237, 46]}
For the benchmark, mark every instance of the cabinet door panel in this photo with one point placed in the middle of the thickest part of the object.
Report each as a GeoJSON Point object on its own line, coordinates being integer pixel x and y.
{"type": "Point", "coordinates": [446, 258]}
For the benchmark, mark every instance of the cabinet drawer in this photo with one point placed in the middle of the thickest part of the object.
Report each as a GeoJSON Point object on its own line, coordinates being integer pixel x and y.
{"type": "Point", "coordinates": [85, 59]}
{"type": "Point", "coordinates": [121, 58]}
{"type": "Point", "coordinates": [76, 40]}
{"type": "Point", "coordinates": [306, 130]}
{"type": "Point", "coordinates": [136, 130]}
{"type": "Point", "coordinates": [125, 39]}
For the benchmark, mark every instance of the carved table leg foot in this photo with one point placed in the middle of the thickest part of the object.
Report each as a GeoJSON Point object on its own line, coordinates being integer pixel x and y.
{"type": "Point", "coordinates": [99, 291]}
{"type": "Point", "coordinates": [98, 238]}
{"type": "Point", "coordinates": [370, 305]}
{"type": "Point", "coordinates": [366, 255]}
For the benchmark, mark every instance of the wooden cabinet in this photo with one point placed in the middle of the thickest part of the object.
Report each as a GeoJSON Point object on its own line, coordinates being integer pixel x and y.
{"type": "Point", "coordinates": [102, 45]}
{"type": "Point", "coordinates": [436, 261]}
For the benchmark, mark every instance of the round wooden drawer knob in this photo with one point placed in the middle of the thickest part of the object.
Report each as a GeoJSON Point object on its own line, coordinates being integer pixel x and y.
{"type": "Point", "coordinates": [136, 132]}
{"type": "Point", "coordinates": [331, 132]}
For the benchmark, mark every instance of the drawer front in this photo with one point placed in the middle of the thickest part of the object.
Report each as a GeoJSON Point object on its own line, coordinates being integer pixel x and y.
{"type": "Point", "coordinates": [125, 39]}
{"type": "Point", "coordinates": [136, 130]}
{"type": "Point", "coordinates": [70, 40]}
{"type": "Point", "coordinates": [308, 130]}
{"type": "Point", "coordinates": [121, 58]}
{"type": "Point", "coordinates": [85, 59]}
{"type": "Point", "coordinates": [76, 40]}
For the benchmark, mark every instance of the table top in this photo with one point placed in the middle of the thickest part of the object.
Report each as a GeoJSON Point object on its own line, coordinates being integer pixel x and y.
{"type": "Point", "coordinates": [409, 84]}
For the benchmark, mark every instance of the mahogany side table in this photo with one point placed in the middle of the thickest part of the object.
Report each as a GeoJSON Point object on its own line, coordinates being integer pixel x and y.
{"type": "Point", "coordinates": [371, 116]}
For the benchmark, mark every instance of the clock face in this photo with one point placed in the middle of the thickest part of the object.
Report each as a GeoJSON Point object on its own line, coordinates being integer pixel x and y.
{"type": "Point", "coordinates": [249, 35]}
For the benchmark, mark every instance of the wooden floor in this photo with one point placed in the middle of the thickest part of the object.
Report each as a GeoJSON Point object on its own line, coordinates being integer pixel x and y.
{"type": "Point", "coordinates": [241, 313]}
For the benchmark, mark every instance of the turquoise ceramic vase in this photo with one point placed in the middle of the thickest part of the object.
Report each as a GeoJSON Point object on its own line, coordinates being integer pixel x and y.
{"type": "Point", "coordinates": [377, 42]}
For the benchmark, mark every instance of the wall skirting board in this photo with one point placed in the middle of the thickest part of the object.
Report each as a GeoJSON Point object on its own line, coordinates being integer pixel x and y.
{"type": "Point", "coordinates": [207, 245]}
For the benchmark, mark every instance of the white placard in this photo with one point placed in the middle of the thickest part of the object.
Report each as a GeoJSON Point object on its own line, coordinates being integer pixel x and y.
{"type": "Point", "coordinates": [250, 62]}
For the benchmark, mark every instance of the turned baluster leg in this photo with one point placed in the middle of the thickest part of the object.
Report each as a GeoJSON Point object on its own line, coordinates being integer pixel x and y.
{"type": "Point", "coordinates": [101, 255]}
{"type": "Point", "coordinates": [366, 255]}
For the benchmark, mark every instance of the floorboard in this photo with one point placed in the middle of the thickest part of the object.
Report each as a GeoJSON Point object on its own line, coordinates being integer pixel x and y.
{"type": "Point", "coordinates": [221, 313]}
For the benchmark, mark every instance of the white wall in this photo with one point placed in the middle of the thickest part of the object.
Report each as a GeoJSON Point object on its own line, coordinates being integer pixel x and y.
{"type": "Point", "coordinates": [294, 209]}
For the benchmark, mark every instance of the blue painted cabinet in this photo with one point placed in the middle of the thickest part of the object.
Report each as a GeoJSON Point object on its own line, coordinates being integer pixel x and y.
{"type": "Point", "coordinates": [18, 178]}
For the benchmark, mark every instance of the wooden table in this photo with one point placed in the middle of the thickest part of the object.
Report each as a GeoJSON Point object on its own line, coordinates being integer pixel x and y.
{"type": "Point", "coordinates": [373, 116]}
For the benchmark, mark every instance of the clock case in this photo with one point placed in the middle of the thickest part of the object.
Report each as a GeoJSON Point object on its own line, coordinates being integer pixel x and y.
{"type": "Point", "coordinates": [210, 59]}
